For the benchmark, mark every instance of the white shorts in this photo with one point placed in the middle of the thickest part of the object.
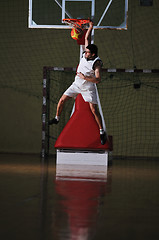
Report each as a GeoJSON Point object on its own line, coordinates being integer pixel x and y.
{"type": "Point", "coordinates": [88, 95]}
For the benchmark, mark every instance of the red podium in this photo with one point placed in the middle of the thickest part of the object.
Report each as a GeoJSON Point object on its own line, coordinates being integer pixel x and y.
{"type": "Point", "coordinates": [79, 142]}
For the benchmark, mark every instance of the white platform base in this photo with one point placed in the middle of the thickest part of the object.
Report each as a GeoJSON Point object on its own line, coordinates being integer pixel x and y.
{"type": "Point", "coordinates": [82, 157]}
{"type": "Point", "coordinates": [80, 172]}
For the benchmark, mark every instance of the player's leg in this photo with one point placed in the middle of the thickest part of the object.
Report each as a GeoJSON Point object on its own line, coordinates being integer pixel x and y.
{"type": "Point", "coordinates": [71, 92]}
{"type": "Point", "coordinates": [96, 114]}
{"type": "Point", "coordinates": [59, 109]}
{"type": "Point", "coordinates": [98, 119]}
{"type": "Point", "coordinates": [61, 103]}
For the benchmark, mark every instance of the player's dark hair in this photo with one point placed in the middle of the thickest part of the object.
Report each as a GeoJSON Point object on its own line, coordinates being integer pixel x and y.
{"type": "Point", "coordinates": [93, 49]}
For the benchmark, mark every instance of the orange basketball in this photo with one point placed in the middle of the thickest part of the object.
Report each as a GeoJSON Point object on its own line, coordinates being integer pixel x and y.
{"type": "Point", "coordinates": [76, 34]}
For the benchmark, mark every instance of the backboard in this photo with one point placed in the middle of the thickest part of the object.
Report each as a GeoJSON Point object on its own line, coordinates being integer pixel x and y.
{"type": "Point", "coordinates": [110, 14]}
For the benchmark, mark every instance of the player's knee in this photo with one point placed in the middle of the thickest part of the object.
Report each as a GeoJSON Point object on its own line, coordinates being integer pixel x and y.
{"type": "Point", "coordinates": [61, 101]}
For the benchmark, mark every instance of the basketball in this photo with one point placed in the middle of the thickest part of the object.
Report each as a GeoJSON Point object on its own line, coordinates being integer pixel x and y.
{"type": "Point", "coordinates": [76, 34]}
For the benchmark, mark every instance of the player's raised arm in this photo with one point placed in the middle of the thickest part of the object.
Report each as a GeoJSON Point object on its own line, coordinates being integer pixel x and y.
{"type": "Point", "coordinates": [88, 34]}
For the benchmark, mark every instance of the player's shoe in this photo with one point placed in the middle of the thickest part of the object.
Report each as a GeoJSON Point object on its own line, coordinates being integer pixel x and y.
{"type": "Point", "coordinates": [103, 138]}
{"type": "Point", "coordinates": [53, 121]}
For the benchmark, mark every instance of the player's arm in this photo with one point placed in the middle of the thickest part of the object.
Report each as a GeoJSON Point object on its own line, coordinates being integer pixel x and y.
{"type": "Point", "coordinates": [88, 34]}
{"type": "Point", "coordinates": [97, 77]}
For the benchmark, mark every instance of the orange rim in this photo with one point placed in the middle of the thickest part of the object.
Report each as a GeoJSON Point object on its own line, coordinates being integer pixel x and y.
{"type": "Point", "coordinates": [77, 23]}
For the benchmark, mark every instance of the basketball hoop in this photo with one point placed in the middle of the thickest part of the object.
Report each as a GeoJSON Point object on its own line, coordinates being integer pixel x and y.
{"type": "Point", "coordinates": [78, 24]}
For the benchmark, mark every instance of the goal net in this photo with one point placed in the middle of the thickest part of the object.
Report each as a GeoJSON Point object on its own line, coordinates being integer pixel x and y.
{"type": "Point", "coordinates": [129, 101]}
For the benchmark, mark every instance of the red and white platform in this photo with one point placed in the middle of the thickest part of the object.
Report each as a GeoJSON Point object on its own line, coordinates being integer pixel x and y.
{"type": "Point", "coordinates": [79, 142]}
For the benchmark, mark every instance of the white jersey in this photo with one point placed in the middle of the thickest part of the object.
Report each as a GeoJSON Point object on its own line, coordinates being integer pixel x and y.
{"type": "Point", "coordinates": [86, 67]}
{"type": "Point", "coordinates": [84, 87]}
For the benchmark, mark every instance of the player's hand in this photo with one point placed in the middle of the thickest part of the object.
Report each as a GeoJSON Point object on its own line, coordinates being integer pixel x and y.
{"type": "Point", "coordinates": [81, 75]}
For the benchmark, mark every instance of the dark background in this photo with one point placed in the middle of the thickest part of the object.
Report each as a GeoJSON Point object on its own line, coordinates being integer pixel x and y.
{"type": "Point", "coordinates": [24, 52]}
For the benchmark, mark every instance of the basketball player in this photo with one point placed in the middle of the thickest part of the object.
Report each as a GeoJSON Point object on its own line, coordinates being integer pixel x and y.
{"type": "Point", "coordinates": [88, 74]}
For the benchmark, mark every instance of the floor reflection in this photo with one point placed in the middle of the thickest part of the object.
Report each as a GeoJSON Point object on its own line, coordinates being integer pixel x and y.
{"type": "Point", "coordinates": [50, 202]}
{"type": "Point", "coordinates": [43, 198]}
{"type": "Point", "coordinates": [81, 190]}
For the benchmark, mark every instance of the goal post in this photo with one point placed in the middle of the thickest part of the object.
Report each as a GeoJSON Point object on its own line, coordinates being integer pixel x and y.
{"type": "Point", "coordinates": [45, 112]}
{"type": "Point", "coordinates": [129, 100]}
